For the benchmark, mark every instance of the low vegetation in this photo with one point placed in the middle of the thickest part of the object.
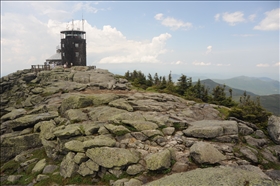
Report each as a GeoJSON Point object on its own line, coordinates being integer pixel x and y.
{"type": "Point", "coordinates": [247, 109]}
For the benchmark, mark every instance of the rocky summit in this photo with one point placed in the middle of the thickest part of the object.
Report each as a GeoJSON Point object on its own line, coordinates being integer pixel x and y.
{"type": "Point", "coordinates": [85, 126]}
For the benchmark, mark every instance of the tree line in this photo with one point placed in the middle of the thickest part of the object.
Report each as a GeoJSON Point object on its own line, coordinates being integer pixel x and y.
{"type": "Point", "coordinates": [247, 109]}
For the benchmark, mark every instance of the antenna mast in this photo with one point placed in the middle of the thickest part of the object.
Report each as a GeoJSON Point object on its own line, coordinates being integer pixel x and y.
{"type": "Point", "coordinates": [82, 21]}
{"type": "Point", "coordinates": [72, 24]}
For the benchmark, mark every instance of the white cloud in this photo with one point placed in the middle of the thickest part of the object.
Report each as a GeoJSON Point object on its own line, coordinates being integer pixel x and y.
{"type": "Point", "coordinates": [84, 6]}
{"type": "Point", "coordinates": [158, 16]}
{"type": "Point", "coordinates": [233, 18]}
{"type": "Point", "coordinates": [27, 41]}
{"type": "Point", "coordinates": [217, 17]}
{"type": "Point", "coordinates": [200, 63]}
{"type": "Point", "coordinates": [172, 23]}
{"type": "Point", "coordinates": [277, 64]}
{"type": "Point", "coordinates": [263, 65]}
{"type": "Point", "coordinates": [129, 51]}
{"type": "Point", "coordinates": [223, 65]}
{"type": "Point", "coordinates": [252, 17]}
{"type": "Point", "coordinates": [177, 63]}
{"type": "Point", "coordinates": [209, 49]}
{"type": "Point", "coordinates": [270, 22]}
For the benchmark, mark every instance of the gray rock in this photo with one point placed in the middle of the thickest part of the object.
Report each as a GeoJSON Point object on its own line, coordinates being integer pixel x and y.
{"type": "Point", "coordinates": [168, 130]}
{"type": "Point", "coordinates": [75, 102]}
{"type": "Point", "coordinates": [46, 129]}
{"type": "Point", "coordinates": [121, 104]}
{"type": "Point", "coordinates": [111, 157]}
{"type": "Point", "coordinates": [160, 160]}
{"type": "Point", "coordinates": [68, 131]}
{"type": "Point", "coordinates": [117, 130]}
{"type": "Point", "coordinates": [250, 154]}
{"type": "Point", "coordinates": [41, 177]}
{"type": "Point", "coordinates": [12, 146]}
{"type": "Point", "coordinates": [49, 169]}
{"type": "Point", "coordinates": [180, 167]}
{"type": "Point", "coordinates": [28, 162]}
{"type": "Point", "coordinates": [13, 178]}
{"type": "Point", "coordinates": [100, 141]}
{"type": "Point", "coordinates": [152, 133]}
{"type": "Point", "coordinates": [37, 90]}
{"type": "Point", "coordinates": [139, 136]}
{"type": "Point", "coordinates": [30, 120]}
{"type": "Point", "coordinates": [13, 114]}
{"type": "Point", "coordinates": [244, 129]}
{"type": "Point", "coordinates": [32, 100]}
{"type": "Point", "coordinates": [133, 182]}
{"type": "Point", "coordinates": [68, 167]}
{"type": "Point", "coordinates": [120, 182]}
{"type": "Point", "coordinates": [273, 128]}
{"type": "Point", "coordinates": [268, 155]}
{"type": "Point", "coordinates": [76, 115]}
{"type": "Point", "coordinates": [235, 176]}
{"type": "Point", "coordinates": [75, 145]}
{"type": "Point", "coordinates": [135, 169]}
{"type": "Point", "coordinates": [39, 166]}
{"type": "Point", "coordinates": [255, 142]}
{"type": "Point", "coordinates": [88, 168]}
{"type": "Point", "coordinates": [211, 128]}
{"type": "Point", "coordinates": [274, 174]}
{"type": "Point", "coordinates": [260, 134]}
{"type": "Point", "coordinates": [80, 157]}
{"type": "Point", "coordinates": [140, 125]}
{"type": "Point", "coordinates": [203, 152]}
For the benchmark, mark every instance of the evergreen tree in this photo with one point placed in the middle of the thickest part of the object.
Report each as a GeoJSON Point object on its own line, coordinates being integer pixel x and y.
{"type": "Point", "coordinates": [156, 79]}
{"type": "Point", "coordinates": [149, 81]}
{"type": "Point", "coordinates": [183, 84]}
{"type": "Point", "coordinates": [250, 110]}
{"type": "Point", "coordinates": [163, 83]}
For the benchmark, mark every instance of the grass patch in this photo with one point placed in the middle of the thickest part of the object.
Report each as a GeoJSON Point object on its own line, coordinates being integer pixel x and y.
{"type": "Point", "coordinates": [9, 167]}
{"type": "Point", "coordinates": [224, 112]}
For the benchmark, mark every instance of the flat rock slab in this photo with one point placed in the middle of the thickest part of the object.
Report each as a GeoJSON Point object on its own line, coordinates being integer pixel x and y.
{"type": "Point", "coordinates": [211, 128]}
{"type": "Point", "coordinates": [234, 176]}
{"type": "Point", "coordinates": [110, 157]}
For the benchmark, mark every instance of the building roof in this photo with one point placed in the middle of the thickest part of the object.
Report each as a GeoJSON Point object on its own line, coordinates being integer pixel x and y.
{"type": "Point", "coordinates": [56, 56]}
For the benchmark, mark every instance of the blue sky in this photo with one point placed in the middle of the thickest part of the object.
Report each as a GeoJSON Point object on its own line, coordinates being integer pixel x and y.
{"type": "Point", "coordinates": [205, 39]}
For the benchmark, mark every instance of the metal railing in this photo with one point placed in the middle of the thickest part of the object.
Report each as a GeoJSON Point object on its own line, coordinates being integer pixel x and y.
{"type": "Point", "coordinates": [39, 68]}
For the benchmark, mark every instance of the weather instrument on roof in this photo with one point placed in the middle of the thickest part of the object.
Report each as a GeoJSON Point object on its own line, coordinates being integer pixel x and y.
{"type": "Point", "coordinates": [73, 47]}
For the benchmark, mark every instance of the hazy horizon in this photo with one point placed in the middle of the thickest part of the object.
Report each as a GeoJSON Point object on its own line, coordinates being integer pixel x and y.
{"type": "Point", "coordinates": [218, 40]}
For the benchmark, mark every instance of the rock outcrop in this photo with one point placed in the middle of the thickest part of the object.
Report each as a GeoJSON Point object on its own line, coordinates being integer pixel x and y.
{"type": "Point", "coordinates": [87, 123]}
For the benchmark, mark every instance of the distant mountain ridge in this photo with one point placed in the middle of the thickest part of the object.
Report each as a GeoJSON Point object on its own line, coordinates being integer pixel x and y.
{"type": "Point", "coordinates": [259, 86]}
{"type": "Point", "coordinates": [270, 102]}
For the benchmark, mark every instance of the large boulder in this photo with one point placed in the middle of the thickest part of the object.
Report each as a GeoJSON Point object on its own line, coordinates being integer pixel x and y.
{"type": "Point", "coordinates": [30, 120]}
{"type": "Point", "coordinates": [234, 176]}
{"type": "Point", "coordinates": [13, 114]}
{"type": "Point", "coordinates": [273, 128]}
{"type": "Point", "coordinates": [75, 102]}
{"type": "Point", "coordinates": [140, 125]}
{"type": "Point", "coordinates": [76, 115]}
{"type": "Point", "coordinates": [12, 146]}
{"type": "Point", "coordinates": [111, 157]}
{"type": "Point", "coordinates": [203, 152]}
{"type": "Point", "coordinates": [160, 160]}
{"type": "Point", "coordinates": [68, 167]}
{"type": "Point", "coordinates": [100, 141]}
{"type": "Point", "coordinates": [211, 129]}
